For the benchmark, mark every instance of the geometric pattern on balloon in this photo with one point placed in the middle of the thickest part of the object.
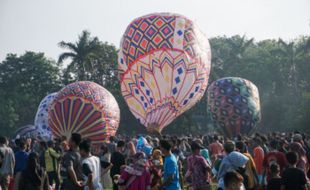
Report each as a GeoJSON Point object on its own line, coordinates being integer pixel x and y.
{"type": "Point", "coordinates": [41, 118]}
{"type": "Point", "coordinates": [86, 108]}
{"type": "Point", "coordinates": [164, 65]}
{"type": "Point", "coordinates": [234, 105]}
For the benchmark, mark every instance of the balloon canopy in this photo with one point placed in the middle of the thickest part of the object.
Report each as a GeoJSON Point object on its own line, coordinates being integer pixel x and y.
{"type": "Point", "coordinates": [164, 65]}
{"type": "Point", "coordinates": [27, 131]}
{"type": "Point", "coordinates": [87, 108]}
{"type": "Point", "coordinates": [41, 119]}
{"type": "Point", "coordinates": [234, 105]}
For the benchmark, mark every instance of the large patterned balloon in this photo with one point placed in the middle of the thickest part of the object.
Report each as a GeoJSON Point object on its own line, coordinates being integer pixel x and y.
{"type": "Point", "coordinates": [164, 65]}
{"type": "Point", "coordinates": [41, 119]}
{"type": "Point", "coordinates": [234, 105]}
{"type": "Point", "coordinates": [87, 108]}
{"type": "Point", "coordinates": [27, 131]}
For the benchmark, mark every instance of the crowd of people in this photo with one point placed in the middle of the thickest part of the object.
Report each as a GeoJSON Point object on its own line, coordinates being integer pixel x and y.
{"type": "Point", "coordinates": [277, 161]}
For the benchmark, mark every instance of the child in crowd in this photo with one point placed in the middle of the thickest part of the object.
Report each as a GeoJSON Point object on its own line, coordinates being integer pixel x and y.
{"type": "Point", "coordinates": [293, 178]}
{"type": "Point", "coordinates": [275, 180]}
{"type": "Point", "coordinates": [233, 181]}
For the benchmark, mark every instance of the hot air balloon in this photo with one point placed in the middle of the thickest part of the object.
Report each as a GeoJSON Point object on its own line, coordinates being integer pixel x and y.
{"type": "Point", "coordinates": [234, 105]}
{"type": "Point", "coordinates": [164, 65]}
{"type": "Point", "coordinates": [27, 131]}
{"type": "Point", "coordinates": [86, 108]}
{"type": "Point", "coordinates": [41, 119]}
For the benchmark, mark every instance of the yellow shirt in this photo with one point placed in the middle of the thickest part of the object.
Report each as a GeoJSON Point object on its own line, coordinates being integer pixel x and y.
{"type": "Point", "coordinates": [250, 166]}
{"type": "Point", "coordinates": [51, 157]}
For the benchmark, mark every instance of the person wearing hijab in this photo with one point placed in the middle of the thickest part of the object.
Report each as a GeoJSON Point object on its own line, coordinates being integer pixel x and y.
{"type": "Point", "coordinates": [136, 176]}
{"type": "Point", "coordinates": [156, 165]}
{"type": "Point", "coordinates": [204, 152]}
{"type": "Point", "coordinates": [233, 161]}
{"type": "Point", "coordinates": [252, 181]}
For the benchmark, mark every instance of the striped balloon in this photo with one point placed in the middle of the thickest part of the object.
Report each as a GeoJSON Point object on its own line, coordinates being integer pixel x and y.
{"type": "Point", "coordinates": [164, 65]}
{"type": "Point", "coordinates": [27, 131]}
{"type": "Point", "coordinates": [86, 108]}
{"type": "Point", "coordinates": [234, 105]}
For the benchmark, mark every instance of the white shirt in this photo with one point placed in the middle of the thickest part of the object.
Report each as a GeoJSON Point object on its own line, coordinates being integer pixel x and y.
{"type": "Point", "coordinates": [94, 165]}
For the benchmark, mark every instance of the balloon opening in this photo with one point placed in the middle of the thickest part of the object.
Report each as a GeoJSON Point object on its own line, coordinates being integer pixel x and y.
{"type": "Point", "coordinates": [154, 128]}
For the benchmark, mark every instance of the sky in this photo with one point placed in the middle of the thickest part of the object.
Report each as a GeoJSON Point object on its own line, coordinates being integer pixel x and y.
{"type": "Point", "coordinates": [39, 25]}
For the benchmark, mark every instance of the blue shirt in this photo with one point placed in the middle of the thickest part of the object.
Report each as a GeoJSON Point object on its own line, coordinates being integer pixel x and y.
{"type": "Point", "coordinates": [171, 167]}
{"type": "Point", "coordinates": [21, 158]}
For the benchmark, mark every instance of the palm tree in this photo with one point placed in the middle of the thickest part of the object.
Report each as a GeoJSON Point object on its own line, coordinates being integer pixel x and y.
{"type": "Point", "coordinates": [236, 56]}
{"type": "Point", "coordinates": [291, 52]}
{"type": "Point", "coordinates": [239, 45]}
{"type": "Point", "coordinates": [79, 53]}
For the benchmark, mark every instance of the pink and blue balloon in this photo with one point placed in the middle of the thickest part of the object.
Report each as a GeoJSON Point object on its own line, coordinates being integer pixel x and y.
{"type": "Point", "coordinates": [164, 65]}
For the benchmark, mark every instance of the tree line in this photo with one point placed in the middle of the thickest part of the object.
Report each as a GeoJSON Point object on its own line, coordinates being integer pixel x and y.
{"type": "Point", "coordinates": [279, 69]}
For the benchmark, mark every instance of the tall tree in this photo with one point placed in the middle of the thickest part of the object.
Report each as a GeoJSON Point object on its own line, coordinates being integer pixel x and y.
{"type": "Point", "coordinates": [24, 81]}
{"type": "Point", "coordinates": [229, 55]}
{"type": "Point", "coordinates": [79, 52]}
{"type": "Point", "coordinates": [104, 64]}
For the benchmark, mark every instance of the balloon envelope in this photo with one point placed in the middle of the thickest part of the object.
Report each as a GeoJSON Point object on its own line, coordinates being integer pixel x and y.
{"type": "Point", "coordinates": [164, 65]}
{"type": "Point", "coordinates": [234, 105]}
{"type": "Point", "coordinates": [87, 108]}
{"type": "Point", "coordinates": [41, 119]}
{"type": "Point", "coordinates": [27, 131]}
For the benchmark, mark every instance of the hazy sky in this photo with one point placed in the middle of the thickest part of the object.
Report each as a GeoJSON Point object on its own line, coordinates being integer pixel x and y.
{"type": "Point", "coordinates": [38, 25]}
